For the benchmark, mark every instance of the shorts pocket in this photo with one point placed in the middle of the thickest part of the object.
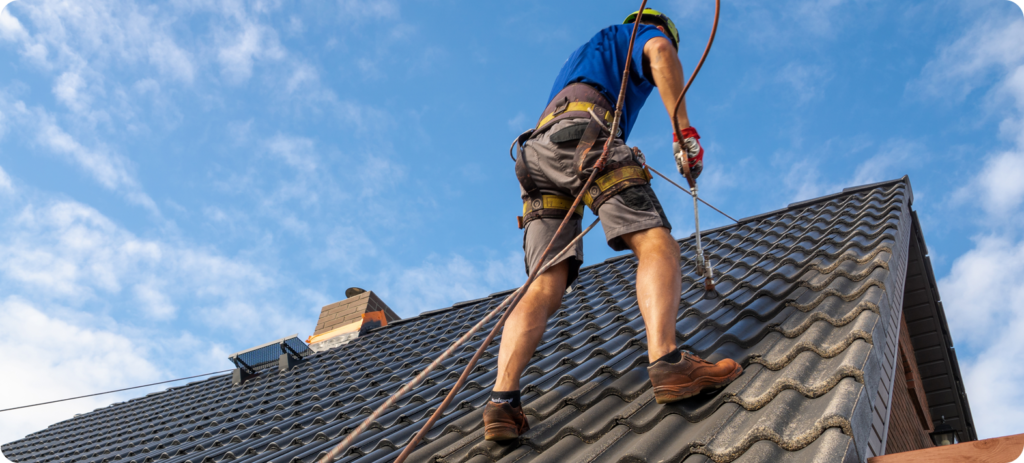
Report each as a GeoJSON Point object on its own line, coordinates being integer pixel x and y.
{"type": "Point", "coordinates": [637, 199]}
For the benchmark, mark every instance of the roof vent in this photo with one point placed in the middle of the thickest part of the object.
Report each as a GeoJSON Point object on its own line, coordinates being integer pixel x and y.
{"type": "Point", "coordinates": [285, 353]}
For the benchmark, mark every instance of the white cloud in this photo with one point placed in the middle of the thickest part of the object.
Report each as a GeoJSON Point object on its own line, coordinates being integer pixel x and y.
{"type": "Point", "coordinates": [817, 15]}
{"type": "Point", "coordinates": [790, 23]}
{"type": "Point", "coordinates": [297, 152]}
{"type": "Point", "coordinates": [999, 184]}
{"type": "Point", "coordinates": [354, 10]}
{"type": "Point", "coordinates": [892, 160]}
{"type": "Point", "coordinates": [298, 188]}
{"type": "Point", "coordinates": [77, 45]}
{"type": "Point", "coordinates": [984, 300]}
{"type": "Point", "coordinates": [4, 121]}
{"type": "Point", "coordinates": [439, 282]}
{"type": "Point", "coordinates": [253, 42]}
{"type": "Point", "coordinates": [171, 60]}
{"type": "Point", "coordinates": [984, 290]}
{"type": "Point", "coordinates": [807, 80]}
{"type": "Point", "coordinates": [364, 118]}
{"type": "Point", "coordinates": [302, 74]}
{"type": "Point", "coordinates": [803, 178]}
{"type": "Point", "coordinates": [76, 360]}
{"type": "Point", "coordinates": [10, 28]}
{"type": "Point", "coordinates": [295, 26]}
{"type": "Point", "coordinates": [379, 173]}
{"type": "Point", "coordinates": [346, 248]}
{"type": "Point", "coordinates": [5, 182]}
{"type": "Point", "coordinates": [68, 35]}
{"type": "Point", "coordinates": [154, 301]}
{"type": "Point", "coordinates": [68, 90]}
{"type": "Point", "coordinates": [67, 253]}
{"type": "Point", "coordinates": [109, 169]}
{"type": "Point", "coordinates": [70, 250]}
{"type": "Point", "coordinates": [990, 45]}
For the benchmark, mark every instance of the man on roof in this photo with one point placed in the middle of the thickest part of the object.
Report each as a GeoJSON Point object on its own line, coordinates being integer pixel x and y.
{"type": "Point", "coordinates": [554, 161]}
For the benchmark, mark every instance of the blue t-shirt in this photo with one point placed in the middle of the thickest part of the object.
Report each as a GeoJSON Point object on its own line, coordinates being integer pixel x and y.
{"type": "Point", "coordinates": [600, 62]}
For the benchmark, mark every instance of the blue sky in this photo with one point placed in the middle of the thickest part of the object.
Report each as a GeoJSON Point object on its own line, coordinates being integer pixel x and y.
{"type": "Point", "coordinates": [181, 180]}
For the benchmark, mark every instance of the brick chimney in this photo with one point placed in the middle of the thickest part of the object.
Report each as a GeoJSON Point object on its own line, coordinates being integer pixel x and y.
{"type": "Point", "coordinates": [346, 320]}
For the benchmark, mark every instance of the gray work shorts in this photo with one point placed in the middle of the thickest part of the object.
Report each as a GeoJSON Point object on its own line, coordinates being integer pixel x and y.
{"type": "Point", "coordinates": [551, 167]}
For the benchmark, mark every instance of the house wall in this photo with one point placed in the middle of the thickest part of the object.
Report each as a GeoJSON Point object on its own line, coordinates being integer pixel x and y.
{"type": "Point", "coordinates": [909, 419]}
{"type": "Point", "coordinates": [905, 433]}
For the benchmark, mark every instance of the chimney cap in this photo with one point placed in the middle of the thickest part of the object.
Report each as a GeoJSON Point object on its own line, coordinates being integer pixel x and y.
{"type": "Point", "coordinates": [354, 291]}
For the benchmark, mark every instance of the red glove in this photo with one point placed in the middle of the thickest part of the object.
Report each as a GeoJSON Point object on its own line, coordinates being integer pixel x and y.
{"type": "Point", "coordinates": [694, 152]}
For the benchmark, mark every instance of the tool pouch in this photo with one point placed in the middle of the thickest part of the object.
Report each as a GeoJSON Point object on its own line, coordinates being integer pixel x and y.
{"type": "Point", "coordinates": [522, 169]}
{"type": "Point", "coordinates": [578, 100]}
{"type": "Point", "coordinates": [569, 134]}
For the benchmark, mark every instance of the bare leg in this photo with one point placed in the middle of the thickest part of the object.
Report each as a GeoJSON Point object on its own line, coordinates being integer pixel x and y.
{"type": "Point", "coordinates": [658, 287]}
{"type": "Point", "coordinates": [525, 327]}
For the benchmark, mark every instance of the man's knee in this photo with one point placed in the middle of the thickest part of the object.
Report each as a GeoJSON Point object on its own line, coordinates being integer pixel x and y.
{"type": "Point", "coordinates": [655, 240]}
{"type": "Point", "coordinates": [554, 279]}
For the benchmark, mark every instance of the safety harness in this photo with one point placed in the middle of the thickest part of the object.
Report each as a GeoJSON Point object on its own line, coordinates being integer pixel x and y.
{"type": "Point", "coordinates": [547, 206]}
{"type": "Point", "coordinates": [619, 176]}
{"type": "Point", "coordinates": [576, 100]}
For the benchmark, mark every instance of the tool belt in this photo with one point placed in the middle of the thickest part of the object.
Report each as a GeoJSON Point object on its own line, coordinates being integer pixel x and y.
{"type": "Point", "coordinates": [575, 100]}
{"type": "Point", "coordinates": [547, 206]}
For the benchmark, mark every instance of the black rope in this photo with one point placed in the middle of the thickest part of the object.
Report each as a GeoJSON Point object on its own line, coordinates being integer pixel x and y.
{"type": "Point", "coordinates": [109, 392]}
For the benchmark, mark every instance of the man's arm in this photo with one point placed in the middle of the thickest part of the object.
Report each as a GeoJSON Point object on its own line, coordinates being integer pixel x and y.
{"type": "Point", "coordinates": [667, 72]}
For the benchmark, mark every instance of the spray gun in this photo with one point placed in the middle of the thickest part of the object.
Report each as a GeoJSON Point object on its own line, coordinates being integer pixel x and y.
{"type": "Point", "coordinates": [703, 264]}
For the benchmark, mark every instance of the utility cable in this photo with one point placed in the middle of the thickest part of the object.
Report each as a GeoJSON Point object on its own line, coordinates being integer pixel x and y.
{"type": "Point", "coordinates": [691, 194]}
{"type": "Point", "coordinates": [110, 392]}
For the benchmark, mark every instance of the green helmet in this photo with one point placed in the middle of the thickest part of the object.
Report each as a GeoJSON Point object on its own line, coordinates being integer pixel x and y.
{"type": "Point", "coordinates": [669, 25]}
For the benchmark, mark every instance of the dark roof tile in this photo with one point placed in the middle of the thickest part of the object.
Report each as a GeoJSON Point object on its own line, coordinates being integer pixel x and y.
{"type": "Point", "coordinates": [805, 291]}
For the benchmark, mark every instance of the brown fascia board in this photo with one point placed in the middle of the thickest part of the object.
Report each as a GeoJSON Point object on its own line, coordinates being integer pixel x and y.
{"type": "Point", "coordinates": [996, 450]}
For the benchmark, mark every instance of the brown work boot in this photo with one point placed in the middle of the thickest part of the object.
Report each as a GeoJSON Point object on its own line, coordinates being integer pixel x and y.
{"type": "Point", "coordinates": [503, 422]}
{"type": "Point", "coordinates": [688, 377]}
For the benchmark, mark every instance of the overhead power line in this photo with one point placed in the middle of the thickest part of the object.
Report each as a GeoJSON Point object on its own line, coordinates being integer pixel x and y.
{"type": "Point", "coordinates": [110, 392]}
